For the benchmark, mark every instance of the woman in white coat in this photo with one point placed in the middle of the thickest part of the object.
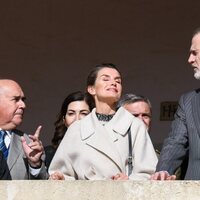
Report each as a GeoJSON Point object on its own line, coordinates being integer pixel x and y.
{"type": "Point", "coordinates": [98, 147]}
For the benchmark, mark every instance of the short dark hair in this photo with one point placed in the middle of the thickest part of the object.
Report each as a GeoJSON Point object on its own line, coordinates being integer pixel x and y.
{"type": "Point", "coordinates": [132, 98]}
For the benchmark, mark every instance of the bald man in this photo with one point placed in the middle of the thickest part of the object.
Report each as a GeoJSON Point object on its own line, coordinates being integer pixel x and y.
{"type": "Point", "coordinates": [24, 153]}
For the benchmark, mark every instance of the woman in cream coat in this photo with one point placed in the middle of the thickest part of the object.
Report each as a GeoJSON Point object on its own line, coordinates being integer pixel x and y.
{"type": "Point", "coordinates": [97, 147]}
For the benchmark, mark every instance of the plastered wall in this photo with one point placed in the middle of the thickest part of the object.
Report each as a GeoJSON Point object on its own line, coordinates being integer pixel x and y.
{"type": "Point", "coordinates": [50, 46]}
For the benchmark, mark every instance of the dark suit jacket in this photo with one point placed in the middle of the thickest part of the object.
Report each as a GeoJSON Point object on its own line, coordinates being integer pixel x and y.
{"type": "Point", "coordinates": [49, 153]}
{"type": "Point", "coordinates": [183, 141]}
{"type": "Point", "coordinates": [18, 163]}
{"type": "Point", "coordinates": [4, 171]}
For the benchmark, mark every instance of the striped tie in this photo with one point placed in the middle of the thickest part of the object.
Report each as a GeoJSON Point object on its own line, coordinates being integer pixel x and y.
{"type": "Point", "coordinates": [3, 147]}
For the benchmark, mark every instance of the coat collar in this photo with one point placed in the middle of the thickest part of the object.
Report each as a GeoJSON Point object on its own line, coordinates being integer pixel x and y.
{"type": "Point", "coordinates": [118, 125]}
{"type": "Point", "coordinates": [96, 135]}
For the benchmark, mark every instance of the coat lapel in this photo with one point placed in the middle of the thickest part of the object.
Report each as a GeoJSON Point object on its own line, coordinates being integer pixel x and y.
{"type": "Point", "coordinates": [103, 138]}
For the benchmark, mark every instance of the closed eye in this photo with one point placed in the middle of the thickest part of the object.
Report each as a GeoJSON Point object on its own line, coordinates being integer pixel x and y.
{"type": "Point", "coordinates": [70, 113]}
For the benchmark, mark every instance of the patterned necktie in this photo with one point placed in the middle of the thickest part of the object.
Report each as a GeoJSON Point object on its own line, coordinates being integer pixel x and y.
{"type": "Point", "coordinates": [3, 147]}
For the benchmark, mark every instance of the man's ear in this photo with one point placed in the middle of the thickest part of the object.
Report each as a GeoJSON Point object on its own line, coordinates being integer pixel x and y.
{"type": "Point", "coordinates": [91, 90]}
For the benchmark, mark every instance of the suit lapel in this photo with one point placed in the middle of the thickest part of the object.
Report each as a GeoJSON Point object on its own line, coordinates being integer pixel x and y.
{"type": "Point", "coordinates": [15, 150]}
{"type": "Point", "coordinates": [196, 110]}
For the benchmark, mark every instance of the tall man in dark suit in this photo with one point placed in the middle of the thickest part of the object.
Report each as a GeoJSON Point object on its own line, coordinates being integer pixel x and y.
{"type": "Point", "coordinates": [183, 141]}
{"type": "Point", "coordinates": [25, 152]}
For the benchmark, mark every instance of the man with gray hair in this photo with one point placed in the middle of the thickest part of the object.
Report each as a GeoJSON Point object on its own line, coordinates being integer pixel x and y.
{"type": "Point", "coordinates": [139, 106]}
{"type": "Point", "coordinates": [183, 141]}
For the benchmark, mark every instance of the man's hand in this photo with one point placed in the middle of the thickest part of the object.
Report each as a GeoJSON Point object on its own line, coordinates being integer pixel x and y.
{"type": "Point", "coordinates": [120, 176]}
{"type": "Point", "coordinates": [162, 175]}
{"type": "Point", "coordinates": [34, 149]}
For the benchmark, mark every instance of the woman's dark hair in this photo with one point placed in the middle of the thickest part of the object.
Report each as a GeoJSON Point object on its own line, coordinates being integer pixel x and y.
{"type": "Point", "coordinates": [196, 31]}
{"type": "Point", "coordinates": [60, 127]}
{"type": "Point", "coordinates": [93, 74]}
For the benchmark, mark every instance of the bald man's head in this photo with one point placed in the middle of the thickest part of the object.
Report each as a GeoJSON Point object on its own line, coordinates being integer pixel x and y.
{"type": "Point", "coordinates": [11, 104]}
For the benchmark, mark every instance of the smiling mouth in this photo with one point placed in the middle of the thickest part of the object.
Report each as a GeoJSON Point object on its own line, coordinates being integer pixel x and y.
{"type": "Point", "coordinates": [113, 89]}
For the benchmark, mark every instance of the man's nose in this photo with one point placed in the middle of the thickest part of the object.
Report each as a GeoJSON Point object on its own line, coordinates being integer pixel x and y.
{"type": "Point", "coordinates": [191, 58]}
{"type": "Point", "coordinates": [22, 104]}
{"type": "Point", "coordinates": [140, 116]}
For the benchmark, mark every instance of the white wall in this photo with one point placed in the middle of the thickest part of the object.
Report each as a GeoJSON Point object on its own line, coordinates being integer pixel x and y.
{"type": "Point", "coordinates": [50, 46]}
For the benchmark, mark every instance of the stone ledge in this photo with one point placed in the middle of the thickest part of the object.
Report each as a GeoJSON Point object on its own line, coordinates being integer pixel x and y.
{"type": "Point", "coordinates": [99, 190]}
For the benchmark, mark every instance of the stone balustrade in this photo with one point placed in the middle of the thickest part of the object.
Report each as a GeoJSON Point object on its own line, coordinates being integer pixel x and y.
{"type": "Point", "coordinates": [99, 190]}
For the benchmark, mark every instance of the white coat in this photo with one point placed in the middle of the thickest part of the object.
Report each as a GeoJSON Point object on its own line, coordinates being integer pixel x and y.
{"type": "Point", "coordinates": [92, 151]}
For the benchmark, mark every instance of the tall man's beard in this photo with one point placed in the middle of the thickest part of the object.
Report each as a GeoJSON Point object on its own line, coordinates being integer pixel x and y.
{"type": "Point", "coordinates": [197, 74]}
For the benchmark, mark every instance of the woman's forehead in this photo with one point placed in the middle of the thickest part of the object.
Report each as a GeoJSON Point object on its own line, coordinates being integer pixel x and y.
{"type": "Point", "coordinates": [108, 72]}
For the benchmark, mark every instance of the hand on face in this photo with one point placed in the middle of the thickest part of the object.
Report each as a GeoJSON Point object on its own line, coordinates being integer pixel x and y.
{"type": "Point", "coordinates": [34, 149]}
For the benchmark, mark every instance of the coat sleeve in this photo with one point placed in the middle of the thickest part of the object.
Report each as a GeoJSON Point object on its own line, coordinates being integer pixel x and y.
{"type": "Point", "coordinates": [61, 161]}
{"type": "Point", "coordinates": [144, 156]}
